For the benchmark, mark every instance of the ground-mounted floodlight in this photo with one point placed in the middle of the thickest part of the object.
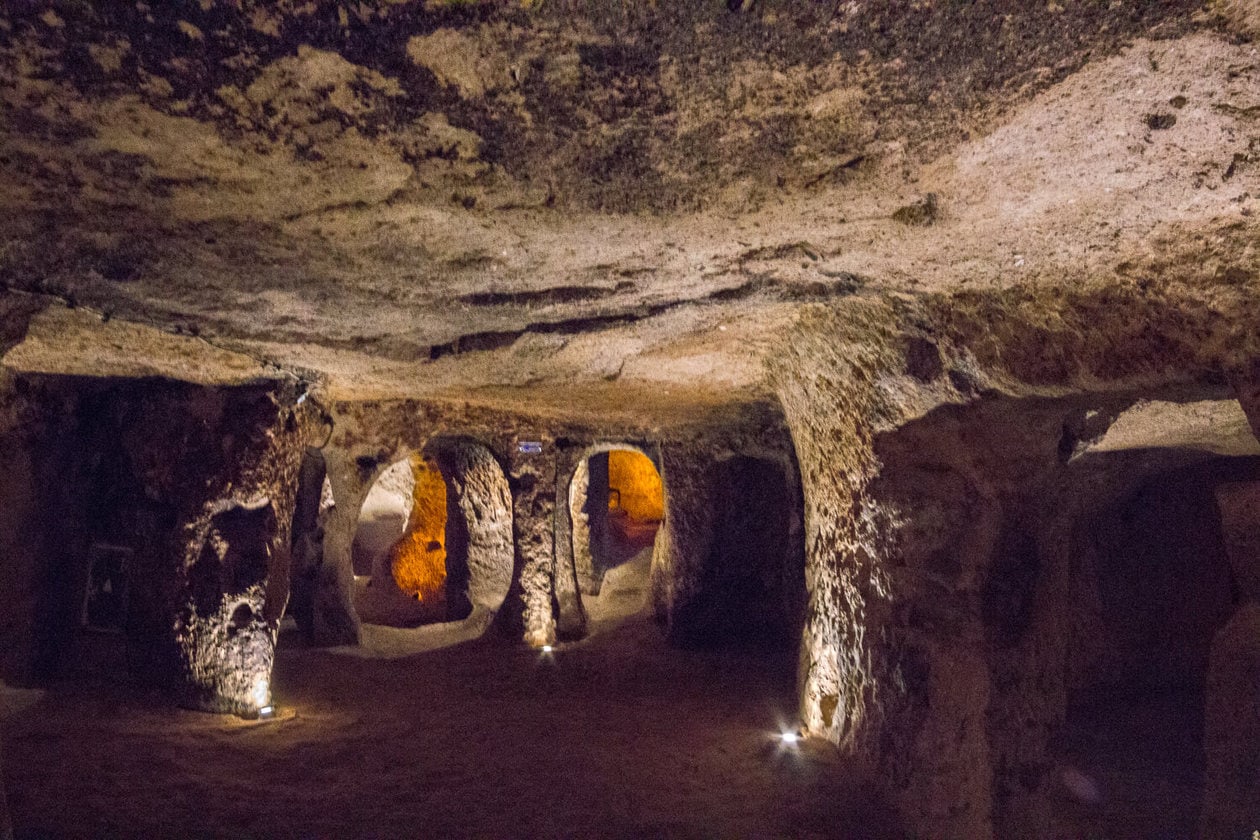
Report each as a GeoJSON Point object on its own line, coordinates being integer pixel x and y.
{"type": "Point", "coordinates": [261, 695]}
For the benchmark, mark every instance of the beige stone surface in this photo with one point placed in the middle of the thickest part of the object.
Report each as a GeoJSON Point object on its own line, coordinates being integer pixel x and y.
{"type": "Point", "coordinates": [818, 233]}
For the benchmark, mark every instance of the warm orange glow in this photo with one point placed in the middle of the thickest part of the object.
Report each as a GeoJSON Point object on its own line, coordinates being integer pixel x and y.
{"type": "Point", "coordinates": [639, 492]}
{"type": "Point", "coordinates": [418, 560]}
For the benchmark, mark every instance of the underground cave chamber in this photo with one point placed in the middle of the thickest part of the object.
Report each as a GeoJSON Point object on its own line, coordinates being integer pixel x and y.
{"type": "Point", "coordinates": [714, 538]}
{"type": "Point", "coordinates": [1100, 566]}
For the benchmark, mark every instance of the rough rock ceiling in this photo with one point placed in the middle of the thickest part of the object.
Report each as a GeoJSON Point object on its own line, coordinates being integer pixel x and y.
{"type": "Point", "coordinates": [595, 203]}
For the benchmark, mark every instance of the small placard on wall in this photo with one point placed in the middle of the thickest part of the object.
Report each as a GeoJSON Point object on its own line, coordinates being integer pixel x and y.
{"type": "Point", "coordinates": [529, 447]}
{"type": "Point", "coordinates": [105, 602]}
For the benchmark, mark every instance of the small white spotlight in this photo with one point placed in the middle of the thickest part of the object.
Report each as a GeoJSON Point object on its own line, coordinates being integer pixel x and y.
{"type": "Point", "coordinates": [790, 738]}
{"type": "Point", "coordinates": [267, 712]}
{"type": "Point", "coordinates": [261, 694]}
{"type": "Point", "coordinates": [546, 648]}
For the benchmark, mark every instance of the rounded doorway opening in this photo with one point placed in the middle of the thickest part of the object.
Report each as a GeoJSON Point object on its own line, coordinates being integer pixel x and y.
{"type": "Point", "coordinates": [434, 540]}
{"type": "Point", "coordinates": [617, 505]}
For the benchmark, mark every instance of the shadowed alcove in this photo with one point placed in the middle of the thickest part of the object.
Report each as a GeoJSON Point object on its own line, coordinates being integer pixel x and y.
{"type": "Point", "coordinates": [1160, 586]}
{"type": "Point", "coordinates": [1067, 561]}
{"type": "Point", "coordinates": [751, 588]}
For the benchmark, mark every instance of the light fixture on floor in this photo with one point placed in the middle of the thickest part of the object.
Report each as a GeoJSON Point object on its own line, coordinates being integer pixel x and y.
{"type": "Point", "coordinates": [261, 695]}
{"type": "Point", "coordinates": [789, 739]}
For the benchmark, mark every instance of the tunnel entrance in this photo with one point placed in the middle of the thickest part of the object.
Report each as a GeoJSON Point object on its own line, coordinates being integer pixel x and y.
{"type": "Point", "coordinates": [617, 503]}
{"type": "Point", "coordinates": [752, 587]}
{"type": "Point", "coordinates": [400, 547]}
{"type": "Point", "coordinates": [434, 539]}
{"type": "Point", "coordinates": [1165, 588]}
{"type": "Point", "coordinates": [417, 562]}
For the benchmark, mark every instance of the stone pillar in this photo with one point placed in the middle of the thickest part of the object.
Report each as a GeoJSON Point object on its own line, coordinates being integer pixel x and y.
{"type": "Point", "coordinates": [595, 506]}
{"type": "Point", "coordinates": [333, 619]}
{"type": "Point", "coordinates": [237, 489]}
{"type": "Point", "coordinates": [1231, 782]}
{"type": "Point", "coordinates": [225, 642]}
{"type": "Point", "coordinates": [482, 506]}
{"type": "Point", "coordinates": [570, 616]}
{"type": "Point", "coordinates": [685, 539]}
{"type": "Point", "coordinates": [307, 542]}
{"type": "Point", "coordinates": [576, 502]}
{"type": "Point", "coordinates": [1239, 505]}
{"type": "Point", "coordinates": [532, 477]}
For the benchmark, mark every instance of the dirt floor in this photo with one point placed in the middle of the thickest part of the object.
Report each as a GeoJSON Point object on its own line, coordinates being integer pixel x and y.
{"type": "Point", "coordinates": [425, 733]}
{"type": "Point", "coordinates": [616, 736]}
{"type": "Point", "coordinates": [1142, 753]}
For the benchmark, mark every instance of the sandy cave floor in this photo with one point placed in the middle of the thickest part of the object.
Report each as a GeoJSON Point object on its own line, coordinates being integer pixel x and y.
{"type": "Point", "coordinates": [424, 733]}
{"type": "Point", "coordinates": [428, 733]}
{"type": "Point", "coordinates": [616, 736]}
{"type": "Point", "coordinates": [1144, 752]}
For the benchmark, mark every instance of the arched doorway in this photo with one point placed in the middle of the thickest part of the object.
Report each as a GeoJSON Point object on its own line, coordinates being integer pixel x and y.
{"type": "Point", "coordinates": [399, 549]}
{"type": "Point", "coordinates": [616, 505]}
{"type": "Point", "coordinates": [434, 540]}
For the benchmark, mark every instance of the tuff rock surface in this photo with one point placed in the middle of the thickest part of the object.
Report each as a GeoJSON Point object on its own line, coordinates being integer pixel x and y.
{"type": "Point", "coordinates": [966, 274]}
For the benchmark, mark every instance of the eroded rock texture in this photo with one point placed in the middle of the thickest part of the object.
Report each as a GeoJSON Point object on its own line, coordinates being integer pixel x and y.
{"type": "Point", "coordinates": [225, 642]}
{"type": "Point", "coordinates": [574, 565]}
{"type": "Point", "coordinates": [977, 289]}
{"type": "Point", "coordinates": [532, 477]}
{"type": "Point", "coordinates": [587, 519]}
{"type": "Point", "coordinates": [943, 577]}
{"type": "Point", "coordinates": [171, 512]}
{"type": "Point", "coordinates": [333, 620]}
{"type": "Point", "coordinates": [236, 557]}
{"type": "Point", "coordinates": [310, 514]}
{"type": "Point", "coordinates": [482, 513]}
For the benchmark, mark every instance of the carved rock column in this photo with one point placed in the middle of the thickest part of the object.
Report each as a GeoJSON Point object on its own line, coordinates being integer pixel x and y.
{"type": "Point", "coordinates": [233, 467]}
{"type": "Point", "coordinates": [685, 539]}
{"type": "Point", "coordinates": [333, 620]}
{"type": "Point", "coordinates": [570, 615]}
{"type": "Point", "coordinates": [532, 477]}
